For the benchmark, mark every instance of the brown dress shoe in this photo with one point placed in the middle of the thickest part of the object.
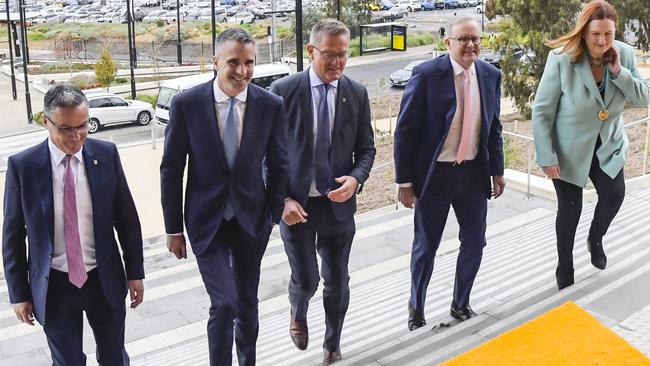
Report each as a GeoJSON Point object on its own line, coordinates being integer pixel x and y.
{"type": "Point", "coordinates": [299, 333]}
{"type": "Point", "coordinates": [329, 357]}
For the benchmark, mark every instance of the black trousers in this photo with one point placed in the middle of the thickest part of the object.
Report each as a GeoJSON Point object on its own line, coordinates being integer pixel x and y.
{"type": "Point", "coordinates": [64, 322]}
{"type": "Point", "coordinates": [569, 207]}
{"type": "Point", "coordinates": [332, 239]}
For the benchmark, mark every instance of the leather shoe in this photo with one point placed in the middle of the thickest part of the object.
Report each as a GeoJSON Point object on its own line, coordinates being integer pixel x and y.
{"type": "Point", "coordinates": [299, 333]}
{"type": "Point", "coordinates": [329, 357]}
{"type": "Point", "coordinates": [564, 277]}
{"type": "Point", "coordinates": [416, 320]}
{"type": "Point", "coordinates": [598, 257]}
{"type": "Point", "coordinates": [461, 314]}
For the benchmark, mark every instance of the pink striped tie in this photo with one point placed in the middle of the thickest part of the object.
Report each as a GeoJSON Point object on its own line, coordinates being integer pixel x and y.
{"type": "Point", "coordinates": [469, 118]}
{"type": "Point", "coordinates": [76, 268]}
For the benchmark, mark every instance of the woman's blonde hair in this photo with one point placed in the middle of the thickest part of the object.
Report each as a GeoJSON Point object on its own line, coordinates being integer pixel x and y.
{"type": "Point", "coordinates": [573, 42]}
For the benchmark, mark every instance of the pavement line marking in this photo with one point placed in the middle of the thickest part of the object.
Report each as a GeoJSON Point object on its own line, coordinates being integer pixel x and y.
{"type": "Point", "coordinates": [171, 337]}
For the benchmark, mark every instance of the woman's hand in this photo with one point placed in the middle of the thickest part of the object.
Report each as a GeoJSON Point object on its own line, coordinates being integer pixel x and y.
{"type": "Point", "coordinates": [552, 172]}
{"type": "Point", "coordinates": [614, 63]}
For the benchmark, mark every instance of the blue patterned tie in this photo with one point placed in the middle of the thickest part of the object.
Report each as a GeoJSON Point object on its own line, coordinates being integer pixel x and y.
{"type": "Point", "coordinates": [230, 138]}
{"type": "Point", "coordinates": [322, 151]}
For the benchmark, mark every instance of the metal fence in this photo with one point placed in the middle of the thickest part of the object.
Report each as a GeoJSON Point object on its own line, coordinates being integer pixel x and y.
{"type": "Point", "coordinates": [165, 52]}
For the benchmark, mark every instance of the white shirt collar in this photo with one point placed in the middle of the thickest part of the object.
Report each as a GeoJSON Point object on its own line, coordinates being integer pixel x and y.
{"type": "Point", "coordinates": [220, 96]}
{"type": "Point", "coordinates": [58, 155]}
{"type": "Point", "coordinates": [314, 80]}
{"type": "Point", "coordinates": [459, 69]}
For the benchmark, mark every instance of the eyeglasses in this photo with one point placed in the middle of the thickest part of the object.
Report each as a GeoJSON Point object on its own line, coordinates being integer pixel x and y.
{"type": "Point", "coordinates": [81, 129]}
{"type": "Point", "coordinates": [465, 40]}
{"type": "Point", "coordinates": [330, 56]}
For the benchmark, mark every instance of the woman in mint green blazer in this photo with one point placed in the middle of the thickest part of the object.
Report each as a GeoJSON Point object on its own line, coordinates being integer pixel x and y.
{"type": "Point", "coordinates": [578, 127]}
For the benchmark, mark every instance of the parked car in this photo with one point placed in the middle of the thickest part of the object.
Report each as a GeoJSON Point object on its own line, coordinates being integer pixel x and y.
{"type": "Point", "coordinates": [400, 77]}
{"type": "Point", "coordinates": [219, 14]}
{"type": "Point", "coordinates": [462, 3]}
{"type": "Point", "coordinates": [479, 9]}
{"type": "Point", "coordinates": [394, 13]}
{"type": "Point", "coordinates": [154, 16]}
{"type": "Point", "coordinates": [447, 4]}
{"type": "Point", "coordinates": [409, 5]}
{"type": "Point", "coordinates": [386, 4]}
{"type": "Point", "coordinates": [243, 17]}
{"type": "Point", "coordinates": [427, 4]}
{"type": "Point", "coordinates": [107, 109]}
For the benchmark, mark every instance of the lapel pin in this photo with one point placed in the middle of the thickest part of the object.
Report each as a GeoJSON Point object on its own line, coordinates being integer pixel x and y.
{"type": "Point", "coordinates": [95, 162]}
{"type": "Point", "coordinates": [344, 99]}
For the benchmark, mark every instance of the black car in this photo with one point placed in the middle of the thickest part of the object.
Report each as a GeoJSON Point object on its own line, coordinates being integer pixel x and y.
{"type": "Point", "coordinates": [402, 76]}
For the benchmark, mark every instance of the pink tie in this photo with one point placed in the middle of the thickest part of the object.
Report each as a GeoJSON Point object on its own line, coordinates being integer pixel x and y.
{"type": "Point", "coordinates": [76, 268]}
{"type": "Point", "coordinates": [469, 118]}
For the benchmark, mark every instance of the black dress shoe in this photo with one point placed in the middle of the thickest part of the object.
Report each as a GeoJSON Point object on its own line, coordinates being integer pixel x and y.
{"type": "Point", "coordinates": [598, 257]}
{"type": "Point", "coordinates": [564, 277]}
{"type": "Point", "coordinates": [460, 313]}
{"type": "Point", "coordinates": [416, 320]}
{"type": "Point", "coordinates": [329, 357]}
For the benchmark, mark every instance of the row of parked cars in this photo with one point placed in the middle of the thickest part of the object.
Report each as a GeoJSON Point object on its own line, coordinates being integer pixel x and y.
{"type": "Point", "coordinates": [421, 5]}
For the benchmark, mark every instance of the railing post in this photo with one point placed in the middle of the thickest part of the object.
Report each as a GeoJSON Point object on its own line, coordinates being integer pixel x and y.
{"type": "Point", "coordinates": [528, 196]}
{"type": "Point", "coordinates": [647, 142]}
{"type": "Point", "coordinates": [153, 134]}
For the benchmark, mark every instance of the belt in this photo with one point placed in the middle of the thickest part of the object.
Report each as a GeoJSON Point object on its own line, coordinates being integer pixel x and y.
{"type": "Point", "coordinates": [456, 164]}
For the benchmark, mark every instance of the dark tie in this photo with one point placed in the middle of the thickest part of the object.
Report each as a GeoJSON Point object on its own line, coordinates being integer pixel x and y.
{"type": "Point", "coordinates": [230, 138]}
{"type": "Point", "coordinates": [322, 151]}
{"type": "Point", "coordinates": [76, 268]}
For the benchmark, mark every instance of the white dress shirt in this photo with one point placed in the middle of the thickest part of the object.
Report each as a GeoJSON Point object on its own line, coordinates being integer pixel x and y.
{"type": "Point", "coordinates": [84, 209]}
{"type": "Point", "coordinates": [222, 104]}
{"type": "Point", "coordinates": [315, 83]}
{"type": "Point", "coordinates": [449, 149]}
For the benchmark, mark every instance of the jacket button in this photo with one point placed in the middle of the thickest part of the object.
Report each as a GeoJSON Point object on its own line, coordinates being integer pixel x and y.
{"type": "Point", "coordinates": [46, 278]}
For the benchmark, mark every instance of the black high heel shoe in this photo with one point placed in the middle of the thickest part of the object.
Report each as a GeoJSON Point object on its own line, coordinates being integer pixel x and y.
{"type": "Point", "coordinates": [564, 277]}
{"type": "Point", "coordinates": [598, 257]}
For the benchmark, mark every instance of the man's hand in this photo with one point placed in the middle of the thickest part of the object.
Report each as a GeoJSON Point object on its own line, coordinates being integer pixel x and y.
{"type": "Point", "coordinates": [406, 196]}
{"type": "Point", "coordinates": [347, 189]}
{"type": "Point", "coordinates": [552, 172]}
{"type": "Point", "coordinates": [293, 212]}
{"type": "Point", "coordinates": [24, 311]}
{"type": "Point", "coordinates": [136, 291]}
{"type": "Point", "coordinates": [176, 244]}
{"type": "Point", "coordinates": [498, 185]}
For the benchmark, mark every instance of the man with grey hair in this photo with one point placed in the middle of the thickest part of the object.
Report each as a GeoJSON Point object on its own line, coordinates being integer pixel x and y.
{"type": "Point", "coordinates": [66, 196]}
{"type": "Point", "coordinates": [447, 147]}
{"type": "Point", "coordinates": [226, 129]}
{"type": "Point", "coordinates": [332, 150]}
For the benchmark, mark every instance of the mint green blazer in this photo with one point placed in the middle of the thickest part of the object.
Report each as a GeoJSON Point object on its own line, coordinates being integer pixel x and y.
{"type": "Point", "coordinates": [565, 115]}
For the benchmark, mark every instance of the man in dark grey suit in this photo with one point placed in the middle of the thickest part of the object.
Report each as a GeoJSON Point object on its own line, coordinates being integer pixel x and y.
{"type": "Point", "coordinates": [330, 150]}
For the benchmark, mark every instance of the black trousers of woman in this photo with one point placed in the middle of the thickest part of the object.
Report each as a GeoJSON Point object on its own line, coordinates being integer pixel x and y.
{"type": "Point", "coordinates": [611, 193]}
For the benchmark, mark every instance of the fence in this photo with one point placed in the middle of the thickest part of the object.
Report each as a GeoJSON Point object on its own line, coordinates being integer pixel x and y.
{"type": "Point", "coordinates": [165, 52]}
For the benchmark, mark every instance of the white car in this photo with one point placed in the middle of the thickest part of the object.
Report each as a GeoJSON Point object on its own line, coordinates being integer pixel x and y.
{"type": "Point", "coordinates": [409, 5]}
{"type": "Point", "coordinates": [154, 16]}
{"type": "Point", "coordinates": [107, 109]}
{"type": "Point", "coordinates": [241, 18]}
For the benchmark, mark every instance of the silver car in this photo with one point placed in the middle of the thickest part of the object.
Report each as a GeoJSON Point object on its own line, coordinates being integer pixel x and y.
{"type": "Point", "coordinates": [107, 109]}
{"type": "Point", "coordinates": [402, 76]}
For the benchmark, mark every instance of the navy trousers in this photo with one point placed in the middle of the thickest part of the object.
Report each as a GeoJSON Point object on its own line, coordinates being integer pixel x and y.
{"type": "Point", "coordinates": [64, 322]}
{"type": "Point", "coordinates": [460, 188]}
{"type": "Point", "coordinates": [332, 239]}
{"type": "Point", "coordinates": [230, 269]}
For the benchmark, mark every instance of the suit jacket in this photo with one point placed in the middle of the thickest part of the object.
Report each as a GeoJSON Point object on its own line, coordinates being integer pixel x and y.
{"type": "Point", "coordinates": [352, 150]}
{"type": "Point", "coordinates": [565, 115]}
{"type": "Point", "coordinates": [192, 135]}
{"type": "Point", "coordinates": [29, 212]}
{"type": "Point", "coordinates": [427, 110]}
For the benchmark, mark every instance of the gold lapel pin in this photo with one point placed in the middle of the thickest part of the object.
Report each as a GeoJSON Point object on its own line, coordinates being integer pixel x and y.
{"type": "Point", "coordinates": [95, 162]}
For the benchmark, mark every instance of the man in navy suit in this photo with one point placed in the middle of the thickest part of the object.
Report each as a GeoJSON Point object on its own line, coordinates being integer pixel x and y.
{"type": "Point", "coordinates": [331, 151]}
{"type": "Point", "coordinates": [226, 129]}
{"type": "Point", "coordinates": [447, 146]}
{"type": "Point", "coordinates": [66, 195]}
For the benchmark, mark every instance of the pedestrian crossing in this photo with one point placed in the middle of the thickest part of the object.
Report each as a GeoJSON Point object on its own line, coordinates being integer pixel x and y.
{"type": "Point", "coordinates": [515, 282]}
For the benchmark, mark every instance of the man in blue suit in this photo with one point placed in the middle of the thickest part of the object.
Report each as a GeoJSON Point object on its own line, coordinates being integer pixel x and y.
{"type": "Point", "coordinates": [226, 129]}
{"type": "Point", "coordinates": [447, 146]}
{"type": "Point", "coordinates": [331, 149]}
{"type": "Point", "coordinates": [66, 195]}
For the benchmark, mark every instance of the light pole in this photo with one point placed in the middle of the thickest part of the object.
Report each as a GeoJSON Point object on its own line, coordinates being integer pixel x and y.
{"type": "Point", "coordinates": [214, 32]}
{"type": "Point", "coordinates": [179, 48]}
{"type": "Point", "coordinates": [483, 16]}
{"type": "Point", "coordinates": [131, 45]}
{"type": "Point", "coordinates": [23, 35]}
{"type": "Point", "coordinates": [299, 65]}
{"type": "Point", "coordinates": [14, 94]}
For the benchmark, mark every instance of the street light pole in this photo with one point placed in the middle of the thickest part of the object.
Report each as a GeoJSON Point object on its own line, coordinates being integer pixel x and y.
{"type": "Point", "coordinates": [213, 31]}
{"type": "Point", "coordinates": [483, 16]}
{"type": "Point", "coordinates": [179, 48]}
{"type": "Point", "coordinates": [131, 52]}
{"type": "Point", "coordinates": [299, 65]}
{"type": "Point", "coordinates": [14, 93]}
{"type": "Point", "coordinates": [23, 34]}
{"type": "Point", "coordinates": [338, 9]}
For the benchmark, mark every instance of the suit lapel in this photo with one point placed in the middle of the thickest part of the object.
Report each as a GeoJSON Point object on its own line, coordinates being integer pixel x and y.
{"type": "Point", "coordinates": [584, 72]}
{"type": "Point", "coordinates": [94, 165]}
{"type": "Point", "coordinates": [307, 109]}
{"type": "Point", "coordinates": [43, 176]}
{"type": "Point", "coordinates": [251, 116]}
{"type": "Point", "coordinates": [209, 110]}
{"type": "Point", "coordinates": [483, 83]}
{"type": "Point", "coordinates": [447, 84]}
{"type": "Point", "coordinates": [341, 110]}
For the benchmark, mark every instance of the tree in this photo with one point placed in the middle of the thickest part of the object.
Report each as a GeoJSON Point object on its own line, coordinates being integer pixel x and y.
{"type": "Point", "coordinates": [105, 68]}
{"type": "Point", "coordinates": [635, 17]}
{"type": "Point", "coordinates": [525, 27]}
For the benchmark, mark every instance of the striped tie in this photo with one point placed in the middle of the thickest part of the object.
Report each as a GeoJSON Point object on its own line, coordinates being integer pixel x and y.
{"type": "Point", "coordinates": [76, 268]}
